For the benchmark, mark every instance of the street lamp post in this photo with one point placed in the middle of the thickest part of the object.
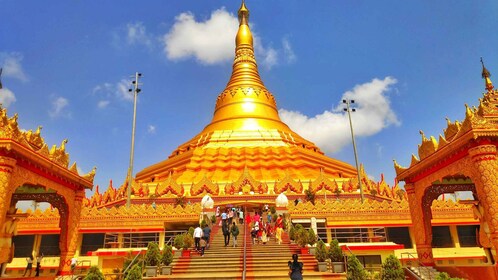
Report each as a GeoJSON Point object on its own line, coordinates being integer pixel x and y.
{"type": "Point", "coordinates": [135, 90]}
{"type": "Point", "coordinates": [348, 102]}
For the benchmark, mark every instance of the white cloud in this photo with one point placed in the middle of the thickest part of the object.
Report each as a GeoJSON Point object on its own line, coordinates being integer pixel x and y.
{"type": "Point", "coordinates": [7, 97]}
{"type": "Point", "coordinates": [11, 64]}
{"type": "Point", "coordinates": [137, 35]}
{"type": "Point", "coordinates": [151, 129]}
{"type": "Point", "coordinates": [210, 42]}
{"type": "Point", "coordinates": [59, 108]}
{"type": "Point", "coordinates": [113, 91]}
{"type": "Point", "coordinates": [289, 54]}
{"type": "Point", "coordinates": [330, 130]}
{"type": "Point", "coordinates": [103, 104]}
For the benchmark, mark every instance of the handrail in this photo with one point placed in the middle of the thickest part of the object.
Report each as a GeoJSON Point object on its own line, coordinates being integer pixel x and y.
{"type": "Point", "coordinates": [245, 246]}
{"type": "Point", "coordinates": [345, 260]}
{"type": "Point", "coordinates": [426, 268]}
{"type": "Point", "coordinates": [133, 261]}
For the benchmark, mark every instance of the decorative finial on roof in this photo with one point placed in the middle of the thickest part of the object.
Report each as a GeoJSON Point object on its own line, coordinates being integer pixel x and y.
{"type": "Point", "coordinates": [485, 76]}
{"type": "Point", "coordinates": [243, 14]}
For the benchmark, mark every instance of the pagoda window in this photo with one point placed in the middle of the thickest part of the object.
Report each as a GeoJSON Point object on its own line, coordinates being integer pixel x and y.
{"type": "Point", "coordinates": [399, 235]}
{"type": "Point", "coordinates": [92, 242]}
{"type": "Point", "coordinates": [467, 235]}
{"type": "Point", "coordinates": [50, 245]}
{"type": "Point", "coordinates": [441, 237]}
{"type": "Point", "coordinates": [24, 245]}
{"type": "Point", "coordinates": [371, 262]}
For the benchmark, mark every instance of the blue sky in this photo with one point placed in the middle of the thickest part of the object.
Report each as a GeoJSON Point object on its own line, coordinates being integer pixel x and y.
{"type": "Point", "coordinates": [408, 64]}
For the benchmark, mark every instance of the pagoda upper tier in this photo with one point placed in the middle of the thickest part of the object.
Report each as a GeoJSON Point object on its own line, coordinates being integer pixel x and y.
{"type": "Point", "coordinates": [245, 134]}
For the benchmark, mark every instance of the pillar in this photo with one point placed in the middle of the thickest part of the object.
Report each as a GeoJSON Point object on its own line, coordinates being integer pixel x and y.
{"type": "Point", "coordinates": [329, 235]}
{"type": "Point", "coordinates": [454, 236]}
{"type": "Point", "coordinates": [7, 166]}
{"type": "Point", "coordinates": [72, 221]}
{"type": "Point", "coordinates": [485, 178]}
{"type": "Point", "coordinates": [422, 229]}
{"type": "Point", "coordinates": [162, 236]}
{"type": "Point", "coordinates": [313, 225]}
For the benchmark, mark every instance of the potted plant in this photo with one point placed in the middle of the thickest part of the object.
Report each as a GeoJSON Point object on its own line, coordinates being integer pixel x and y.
{"type": "Point", "coordinates": [355, 269]}
{"type": "Point", "coordinates": [188, 242]}
{"type": "Point", "coordinates": [321, 255]}
{"type": "Point", "coordinates": [391, 269]}
{"type": "Point", "coordinates": [94, 274]}
{"type": "Point", "coordinates": [311, 240]}
{"type": "Point", "coordinates": [152, 259]}
{"type": "Point", "coordinates": [135, 273]}
{"type": "Point", "coordinates": [302, 238]}
{"type": "Point", "coordinates": [336, 256]}
{"type": "Point", "coordinates": [178, 243]}
{"type": "Point", "coordinates": [166, 259]}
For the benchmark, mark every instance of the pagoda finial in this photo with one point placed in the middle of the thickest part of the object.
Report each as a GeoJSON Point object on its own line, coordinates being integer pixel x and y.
{"type": "Point", "coordinates": [485, 76]}
{"type": "Point", "coordinates": [243, 14]}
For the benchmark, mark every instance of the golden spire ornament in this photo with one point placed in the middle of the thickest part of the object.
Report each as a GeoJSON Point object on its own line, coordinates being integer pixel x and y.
{"type": "Point", "coordinates": [485, 76]}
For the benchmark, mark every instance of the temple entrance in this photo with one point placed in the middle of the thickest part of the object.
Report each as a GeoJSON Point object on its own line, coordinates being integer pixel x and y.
{"type": "Point", "coordinates": [30, 171]}
{"type": "Point", "coordinates": [465, 158]}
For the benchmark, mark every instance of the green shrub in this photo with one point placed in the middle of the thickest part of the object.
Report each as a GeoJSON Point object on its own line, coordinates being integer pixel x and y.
{"type": "Point", "coordinates": [153, 255]}
{"type": "Point", "coordinates": [292, 232]}
{"type": "Point", "coordinates": [178, 241]}
{"type": "Point", "coordinates": [167, 255]}
{"type": "Point", "coordinates": [446, 276]}
{"type": "Point", "coordinates": [273, 210]}
{"type": "Point", "coordinates": [213, 219]}
{"type": "Point", "coordinates": [191, 231]}
{"type": "Point", "coordinates": [301, 237]}
{"type": "Point", "coordinates": [188, 241]}
{"type": "Point", "coordinates": [355, 269]}
{"type": "Point", "coordinates": [335, 251]}
{"type": "Point", "coordinates": [311, 237]}
{"type": "Point", "coordinates": [135, 273]}
{"type": "Point", "coordinates": [321, 252]}
{"type": "Point", "coordinates": [203, 223]}
{"type": "Point", "coordinates": [94, 273]}
{"type": "Point", "coordinates": [392, 270]}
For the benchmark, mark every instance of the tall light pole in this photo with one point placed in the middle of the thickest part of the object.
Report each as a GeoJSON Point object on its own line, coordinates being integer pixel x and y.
{"type": "Point", "coordinates": [348, 102]}
{"type": "Point", "coordinates": [135, 91]}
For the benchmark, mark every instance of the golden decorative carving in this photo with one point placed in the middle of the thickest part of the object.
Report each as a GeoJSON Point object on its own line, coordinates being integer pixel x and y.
{"type": "Point", "coordinates": [428, 146]}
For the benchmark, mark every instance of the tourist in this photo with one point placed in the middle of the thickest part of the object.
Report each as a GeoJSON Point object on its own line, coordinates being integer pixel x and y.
{"type": "Point", "coordinates": [230, 216]}
{"type": "Point", "coordinates": [264, 236]}
{"type": "Point", "coordinates": [197, 237]}
{"type": "Point", "coordinates": [29, 267]}
{"type": "Point", "coordinates": [295, 268]}
{"type": "Point", "coordinates": [38, 265]}
{"type": "Point", "coordinates": [248, 220]}
{"type": "Point", "coordinates": [203, 245]}
{"type": "Point", "coordinates": [257, 217]}
{"type": "Point", "coordinates": [223, 217]}
{"type": "Point", "coordinates": [235, 232]}
{"type": "Point", "coordinates": [226, 232]}
{"type": "Point", "coordinates": [241, 217]}
{"type": "Point", "coordinates": [268, 217]}
{"type": "Point", "coordinates": [279, 224]}
{"type": "Point", "coordinates": [206, 232]}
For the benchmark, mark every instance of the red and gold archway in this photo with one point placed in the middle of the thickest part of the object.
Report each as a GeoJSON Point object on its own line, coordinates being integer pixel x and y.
{"type": "Point", "coordinates": [29, 170]}
{"type": "Point", "coordinates": [464, 159]}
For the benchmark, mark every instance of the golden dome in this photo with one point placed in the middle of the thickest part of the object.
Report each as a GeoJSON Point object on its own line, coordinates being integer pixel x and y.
{"type": "Point", "coordinates": [245, 133]}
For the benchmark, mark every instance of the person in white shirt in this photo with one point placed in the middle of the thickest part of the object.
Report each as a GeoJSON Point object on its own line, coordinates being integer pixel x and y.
{"type": "Point", "coordinates": [197, 237]}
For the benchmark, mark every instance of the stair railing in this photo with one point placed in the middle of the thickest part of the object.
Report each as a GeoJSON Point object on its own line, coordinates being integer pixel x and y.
{"type": "Point", "coordinates": [412, 259]}
{"type": "Point", "coordinates": [245, 246]}
{"type": "Point", "coordinates": [345, 258]}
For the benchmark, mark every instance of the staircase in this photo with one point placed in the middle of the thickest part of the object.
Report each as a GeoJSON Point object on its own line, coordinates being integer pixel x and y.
{"type": "Point", "coordinates": [424, 272]}
{"type": "Point", "coordinates": [263, 261]}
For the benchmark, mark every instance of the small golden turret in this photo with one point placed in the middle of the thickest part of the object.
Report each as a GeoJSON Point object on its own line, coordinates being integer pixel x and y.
{"type": "Point", "coordinates": [485, 76]}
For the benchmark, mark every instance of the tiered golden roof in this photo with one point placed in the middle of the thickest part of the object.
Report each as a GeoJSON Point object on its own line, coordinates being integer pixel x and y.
{"type": "Point", "coordinates": [246, 133]}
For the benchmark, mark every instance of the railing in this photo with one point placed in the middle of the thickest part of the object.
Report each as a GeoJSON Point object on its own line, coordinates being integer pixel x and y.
{"type": "Point", "coordinates": [421, 267]}
{"type": "Point", "coordinates": [120, 275]}
{"type": "Point", "coordinates": [245, 247]}
{"type": "Point", "coordinates": [169, 236]}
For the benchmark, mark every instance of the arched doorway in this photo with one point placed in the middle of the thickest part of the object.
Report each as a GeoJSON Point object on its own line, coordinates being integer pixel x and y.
{"type": "Point", "coordinates": [464, 159]}
{"type": "Point", "coordinates": [28, 166]}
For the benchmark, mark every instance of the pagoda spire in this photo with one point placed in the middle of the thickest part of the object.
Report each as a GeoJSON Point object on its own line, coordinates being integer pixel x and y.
{"type": "Point", "coordinates": [485, 76]}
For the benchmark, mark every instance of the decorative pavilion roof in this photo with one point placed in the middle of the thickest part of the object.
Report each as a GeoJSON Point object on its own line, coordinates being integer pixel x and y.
{"type": "Point", "coordinates": [29, 146]}
{"type": "Point", "coordinates": [479, 122]}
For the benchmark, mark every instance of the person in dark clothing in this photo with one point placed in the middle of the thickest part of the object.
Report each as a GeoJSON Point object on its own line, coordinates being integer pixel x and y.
{"type": "Point", "coordinates": [295, 268]}
{"type": "Point", "coordinates": [234, 230]}
{"type": "Point", "coordinates": [226, 232]}
{"type": "Point", "coordinates": [207, 233]}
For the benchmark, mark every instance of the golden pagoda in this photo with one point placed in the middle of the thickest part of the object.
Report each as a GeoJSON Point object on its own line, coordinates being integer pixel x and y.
{"type": "Point", "coordinates": [245, 136]}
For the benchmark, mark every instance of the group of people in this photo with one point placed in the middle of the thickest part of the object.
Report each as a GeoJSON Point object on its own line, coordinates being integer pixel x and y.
{"type": "Point", "coordinates": [201, 238]}
{"type": "Point", "coordinates": [262, 231]}
{"type": "Point", "coordinates": [29, 267]}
